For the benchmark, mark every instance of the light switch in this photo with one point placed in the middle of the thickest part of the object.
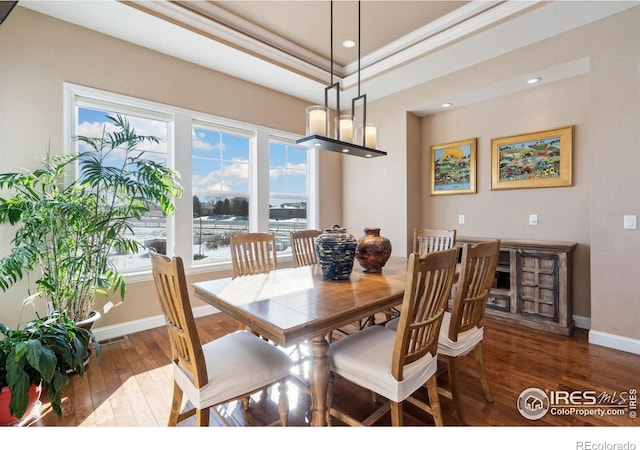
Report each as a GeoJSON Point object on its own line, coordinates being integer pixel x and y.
{"type": "Point", "coordinates": [533, 219]}
{"type": "Point", "coordinates": [461, 219]}
{"type": "Point", "coordinates": [630, 222]}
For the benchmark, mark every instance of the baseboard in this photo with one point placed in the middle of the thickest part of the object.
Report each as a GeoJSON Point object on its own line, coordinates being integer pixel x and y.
{"type": "Point", "coordinates": [582, 322]}
{"type": "Point", "coordinates": [122, 329]}
{"type": "Point", "coordinates": [613, 341]}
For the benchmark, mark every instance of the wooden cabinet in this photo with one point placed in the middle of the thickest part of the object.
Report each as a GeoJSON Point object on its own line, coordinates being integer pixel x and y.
{"type": "Point", "coordinates": [532, 286]}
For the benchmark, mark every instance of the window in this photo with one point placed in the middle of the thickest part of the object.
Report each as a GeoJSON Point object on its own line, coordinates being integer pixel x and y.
{"type": "Point", "coordinates": [239, 177]}
{"type": "Point", "coordinates": [288, 190]}
{"type": "Point", "coordinates": [220, 184]}
{"type": "Point", "coordinates": [151, 230]}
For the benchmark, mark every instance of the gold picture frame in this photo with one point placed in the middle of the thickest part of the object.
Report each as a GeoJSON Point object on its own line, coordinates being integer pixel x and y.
{"type": "Point", "coordinates": [453, 168]}
{"type": "Point", "coordinates": [534, 160]}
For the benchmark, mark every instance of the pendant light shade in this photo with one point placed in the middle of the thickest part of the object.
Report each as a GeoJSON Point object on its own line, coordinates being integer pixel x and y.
{"type": "Point", "coordinates": [349, 138]}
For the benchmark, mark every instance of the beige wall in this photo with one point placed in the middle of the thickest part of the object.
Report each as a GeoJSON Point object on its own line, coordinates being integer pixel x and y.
{"type": "Point", "coordinates": [601, 101]}
{"type": "Point", "coordinates": [563, 213]}
{"type": "Point", "coordinates": [38, 54]}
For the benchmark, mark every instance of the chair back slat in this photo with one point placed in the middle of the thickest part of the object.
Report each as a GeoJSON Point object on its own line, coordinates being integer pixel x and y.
{"type": "Point", "coordinates": [303, 247]}
{"type": "Point", "coordinates": [426, 240]}
{"type": "Point", "coordinates": [253, 253]}
{"type": "Point", "coordinates": [478, 268]}
{"type": "Point", "coordinates": [171, 286]}
{"type": "Point", "coordinates": [429, 280]}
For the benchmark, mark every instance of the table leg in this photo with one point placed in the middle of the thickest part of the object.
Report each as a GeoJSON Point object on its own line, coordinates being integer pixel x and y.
{"type": "Point", "coordinates": [319, 380]}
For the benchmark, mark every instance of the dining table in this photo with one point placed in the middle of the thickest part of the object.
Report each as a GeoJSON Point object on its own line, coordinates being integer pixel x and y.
{"type": "Point", "coordinates": [289, 306]}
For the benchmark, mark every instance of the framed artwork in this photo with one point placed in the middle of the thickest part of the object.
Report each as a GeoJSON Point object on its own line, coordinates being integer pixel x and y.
{"type": "Point", "coordinates": [453, 168]}
{"type": "Point", "coordinates": [534, 160]}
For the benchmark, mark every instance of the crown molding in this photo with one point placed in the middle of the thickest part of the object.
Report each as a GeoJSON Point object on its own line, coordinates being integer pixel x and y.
{"type": "Point", "coordinates": [214, 22]}
{"type": "Point", "coordinates": [224, 26]}
{"type": "Point", "coordinates": [472, 18]}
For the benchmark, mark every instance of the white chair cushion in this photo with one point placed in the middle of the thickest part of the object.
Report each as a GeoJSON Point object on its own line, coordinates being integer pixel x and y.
{"type": "Point", "coordinates": [465, 343]}
{"type": "Point", "coordinates": [364, 358]}
{"type": "Point", "coordinates": [237, 363]}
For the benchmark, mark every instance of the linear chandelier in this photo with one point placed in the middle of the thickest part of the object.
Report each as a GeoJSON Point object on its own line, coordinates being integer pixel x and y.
{"type": "Point", "coordinates": [349, 139]}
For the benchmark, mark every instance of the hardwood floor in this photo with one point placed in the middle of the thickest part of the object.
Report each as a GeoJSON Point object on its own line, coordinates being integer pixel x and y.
{"type": "Point", "coordinates": [132, 386]}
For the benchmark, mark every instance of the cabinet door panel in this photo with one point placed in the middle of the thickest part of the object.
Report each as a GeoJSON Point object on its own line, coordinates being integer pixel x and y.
{"type": "Point", "coordinates": [537, 285]}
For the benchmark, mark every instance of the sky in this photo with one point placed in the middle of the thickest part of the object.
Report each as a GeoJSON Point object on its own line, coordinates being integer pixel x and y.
{"type": "Point", "coordinates": [220, 161]}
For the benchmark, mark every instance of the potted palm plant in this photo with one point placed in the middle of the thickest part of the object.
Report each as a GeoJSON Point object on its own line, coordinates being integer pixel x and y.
{"type": "Point", "coordinates": [66, 231]}
{"type": "Point", "coordinates": [40, 356]}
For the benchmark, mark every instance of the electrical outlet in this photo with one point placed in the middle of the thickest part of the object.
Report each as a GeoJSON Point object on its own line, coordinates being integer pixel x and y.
{"type": "Point", "coordinates": [461, 219]}
{"type": "Point", "coordinates": [533, 219]}
{"type": "Point", "coordinates": [630, 222]}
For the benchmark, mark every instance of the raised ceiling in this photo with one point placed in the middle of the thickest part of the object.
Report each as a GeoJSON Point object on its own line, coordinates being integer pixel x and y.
{"type": "Point", "coordinates": [285, 45]}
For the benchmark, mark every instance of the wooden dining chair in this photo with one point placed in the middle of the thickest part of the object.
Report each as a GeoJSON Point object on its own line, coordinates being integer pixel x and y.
{"type": "Point", "coordinates": [425, 240]}
{"type": "Point", "coordinates": [396, 364]}
{"type": "Point", "coordinates": [226, 369]}
{"type": "Point", "coordinates": [430, 240]}
{"type": "Point", "coordinates": [253, 253]}
{"type": "Point", "coordinates": [303, 247]}
{"type": "Point", "coordinates": [463, 327]}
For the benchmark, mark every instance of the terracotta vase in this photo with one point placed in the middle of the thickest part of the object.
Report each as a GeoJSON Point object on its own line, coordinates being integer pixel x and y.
{"type": "Point", "coordinates": [373, 251]}
{"type": "Point", "coordinates": [336, 251]}
{"type": "Point", "coordinates": [5, 398]}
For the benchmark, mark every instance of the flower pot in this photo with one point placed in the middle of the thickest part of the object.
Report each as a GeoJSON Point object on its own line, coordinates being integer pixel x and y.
{"type": "Point", "coordinates": [88, 323]}
{"type": "Point", "coordinates": [5, 398]}
{"type": "Point", "coordinates": [336, 251]}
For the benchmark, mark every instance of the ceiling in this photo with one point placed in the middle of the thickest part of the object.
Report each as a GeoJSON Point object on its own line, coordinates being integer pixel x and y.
{"type": "Point", "coordinates": [286, 45]}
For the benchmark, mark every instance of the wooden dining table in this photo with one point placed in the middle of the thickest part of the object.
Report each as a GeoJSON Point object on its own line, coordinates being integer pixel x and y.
{"type": "Point", "coordinates": [292, 305]}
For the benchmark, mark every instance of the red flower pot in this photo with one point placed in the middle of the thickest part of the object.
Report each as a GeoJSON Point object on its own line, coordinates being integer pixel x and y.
{"type": "Point", "coordinates": [5, 397]}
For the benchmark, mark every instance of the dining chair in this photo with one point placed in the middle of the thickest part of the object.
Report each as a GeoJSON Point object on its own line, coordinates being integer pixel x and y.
{"type": "Point", "coordinates": [303, 247]}
{"type": "Point", "coordinates": [229, 368]}
{"type": "Point", "coordinates": [463, 326]}
{"type": "Point", "coordinates": [396, 364]}
{"type": "Point", "coordinates": [426, 240]}
{"type": "Point", "coordinates": [253, 253]}
{"type": "Point", "coordinates": [429, 240]}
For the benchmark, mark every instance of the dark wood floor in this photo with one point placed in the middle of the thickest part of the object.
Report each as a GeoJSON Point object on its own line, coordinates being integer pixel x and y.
{"type": "Point", "coordinates": [132, 385]}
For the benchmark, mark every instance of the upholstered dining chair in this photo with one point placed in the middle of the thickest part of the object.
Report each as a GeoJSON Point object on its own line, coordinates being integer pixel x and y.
{"type": "Point", "coordinates": [396, 364]}
{"type": "Point", "coordinates": [253, 253]}
{"type": "Point", "coordinates": [226, 369]}
{"type": "Point", "coordinates": [303, 247]}
{"type": "Point", "coordinates": [429, 240]}
{"type": "Point", "coordinates": [463, 327]}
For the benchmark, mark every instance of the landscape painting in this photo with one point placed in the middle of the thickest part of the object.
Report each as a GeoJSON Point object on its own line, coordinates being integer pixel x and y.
{"type": "Point", "coordinates": [453, 168]}
{"type": "Point", "coordinates": [541, 159]}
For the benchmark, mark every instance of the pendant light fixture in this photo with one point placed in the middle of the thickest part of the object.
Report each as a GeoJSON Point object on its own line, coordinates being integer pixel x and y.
{"type": "Point", "coordinates": [350, 139]}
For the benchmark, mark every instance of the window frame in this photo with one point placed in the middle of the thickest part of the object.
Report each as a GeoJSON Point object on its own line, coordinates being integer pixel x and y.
{"type": "Point", "coordinates": [180, 125]}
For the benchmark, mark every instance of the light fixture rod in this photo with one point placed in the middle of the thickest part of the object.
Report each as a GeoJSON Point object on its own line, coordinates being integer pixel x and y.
{"type": "Point", "coordinates": [333, 85]}
{"type": "Point", "coordinates": [331, 43]}
{"type": "Point", "coordinates": [359, 40]}
{"type": "Point", "coordinates": [363, 97]}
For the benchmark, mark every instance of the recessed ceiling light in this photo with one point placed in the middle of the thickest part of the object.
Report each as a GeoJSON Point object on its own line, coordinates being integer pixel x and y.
{"type": "Point", "coordinates": [446, 105]}
{"type": "Point", "coordinates": [533, 80]}
{"type": "Point", "coordinates": [349, 43]}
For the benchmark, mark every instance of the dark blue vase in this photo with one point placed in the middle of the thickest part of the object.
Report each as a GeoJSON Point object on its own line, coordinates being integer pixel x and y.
{"type": "Point", "coordinates": [336, 251]}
